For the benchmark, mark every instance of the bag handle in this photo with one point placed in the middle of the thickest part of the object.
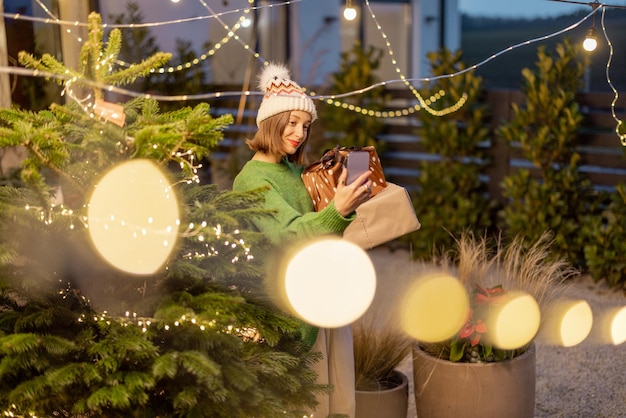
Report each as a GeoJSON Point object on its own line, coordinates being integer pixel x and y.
{"type": "Point", "coordinates": [332, 156]}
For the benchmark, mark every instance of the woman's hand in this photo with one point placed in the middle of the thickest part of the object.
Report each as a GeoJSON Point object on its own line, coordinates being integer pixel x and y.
{"type": "Point", "coordinates": [348, 197]}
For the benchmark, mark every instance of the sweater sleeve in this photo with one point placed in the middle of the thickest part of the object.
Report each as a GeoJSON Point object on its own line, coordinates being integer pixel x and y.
{"type": "Point", "coordinates": [291, 221]}
{"type": "Point", "coordinates": [288, 223]}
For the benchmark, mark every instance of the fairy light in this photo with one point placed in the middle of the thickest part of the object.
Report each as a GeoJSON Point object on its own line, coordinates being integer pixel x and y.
{"type": "Point", "coordinates": [228, 240]}
{"type": "Point", "coordinates": [49, 13]}
{"type": "Point", "coordinates": [16, 16]}
{"type": "Point", "coordinates": [425, 104]}
{"type": "Point", "coordinates": [349, 13]}
{"type": "Point", "coordinates": [619, 122]}
{"type": "Point", "coordinates": [325, 98]}
{"type": "Point", "coordinates": [591, 40]}
{"type": "Point", "coordinates": [243, 21]}
{"type": "Point", "coordinates": [191, 319]}
{"type": "Point", "coordinates": [231, 33]}
{"type": "Point", "coordinates": [13, 412]}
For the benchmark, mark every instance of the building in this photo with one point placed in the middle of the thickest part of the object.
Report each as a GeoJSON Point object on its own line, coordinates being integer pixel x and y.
{"type": "Point", "coordinates": [308, 35]}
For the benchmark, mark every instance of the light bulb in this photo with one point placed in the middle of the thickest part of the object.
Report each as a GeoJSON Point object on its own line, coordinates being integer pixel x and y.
{"type": "Point", "coordinates": [591, 41]}
{"type": "Point", "coordinates": [349, 13]}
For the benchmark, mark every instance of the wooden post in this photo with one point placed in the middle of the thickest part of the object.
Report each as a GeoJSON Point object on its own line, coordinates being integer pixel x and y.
{"type": "Point", "coordinates": [500, 105]}
{"type": "Point", "coordinates": [5, 85]}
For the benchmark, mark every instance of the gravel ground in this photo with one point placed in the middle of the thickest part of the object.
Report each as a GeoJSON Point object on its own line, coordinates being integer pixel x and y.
{"type": "Point", "coordinates": [587, 380]}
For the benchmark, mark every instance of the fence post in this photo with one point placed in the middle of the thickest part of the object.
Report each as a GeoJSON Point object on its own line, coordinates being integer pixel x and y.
{"type": "Point", "coordinates": [499, 102]}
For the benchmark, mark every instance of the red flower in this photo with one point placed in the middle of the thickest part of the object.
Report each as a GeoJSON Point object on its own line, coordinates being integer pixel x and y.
{"type": "Point", "coordinates": [475, 328]}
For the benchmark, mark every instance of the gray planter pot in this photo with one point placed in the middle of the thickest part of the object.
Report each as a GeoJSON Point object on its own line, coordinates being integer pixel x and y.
{"type": "Point", "coordinates": [384, 403]}
{"type": "Point", "coordinates": [445, 389]}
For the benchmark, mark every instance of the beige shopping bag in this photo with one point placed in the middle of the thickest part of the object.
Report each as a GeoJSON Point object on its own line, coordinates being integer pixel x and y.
{"type": "Point", "coordinates": [385, 217]}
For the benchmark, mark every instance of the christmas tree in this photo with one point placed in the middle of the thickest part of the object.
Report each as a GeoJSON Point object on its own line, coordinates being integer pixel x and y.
{"type": "Point", "coordinates": [80, 336]}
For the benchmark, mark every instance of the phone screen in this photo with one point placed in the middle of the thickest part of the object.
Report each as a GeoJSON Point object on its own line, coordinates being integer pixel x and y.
{"type": "Point", "coordinates": [358, 162]}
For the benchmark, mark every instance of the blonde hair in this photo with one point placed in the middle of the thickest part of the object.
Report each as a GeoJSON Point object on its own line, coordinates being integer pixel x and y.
{"type": "Point", "coordinates": [269, 137]}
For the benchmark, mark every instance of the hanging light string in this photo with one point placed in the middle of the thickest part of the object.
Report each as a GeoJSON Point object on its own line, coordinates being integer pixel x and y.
{"type": "Point", "coordinates": [212, 95]}
{"type": "Point", "coordinates": [231, 33]}
{"type": "Point", "coordinates": [321, 97]}
{"type": "Point", "coordinates": [332, 98]}
{"type": "Point", "coordinates": [619, 122]}
{"type": "Point", "coordinates": [237, 25]}
{"type": "Point", "coordinates": [468, 69]}
{"type": "Point", "coordinates": [425, 104]}
{"type": "Point", "coordinates": [55, 20]}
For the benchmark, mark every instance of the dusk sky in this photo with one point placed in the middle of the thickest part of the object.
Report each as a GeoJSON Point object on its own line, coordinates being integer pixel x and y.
{"type": "Point", "coordinates": [522, 8]}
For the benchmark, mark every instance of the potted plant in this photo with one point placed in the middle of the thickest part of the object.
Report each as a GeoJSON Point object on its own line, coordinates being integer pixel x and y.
{"type": "Point", "coordinates": [467, 375]}
{"type": "Point", "coordinates": [382, 391]}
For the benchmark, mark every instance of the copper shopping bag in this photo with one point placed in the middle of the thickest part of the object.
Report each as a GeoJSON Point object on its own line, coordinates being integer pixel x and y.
{"type": "Point", "coordinates": [322, 176]}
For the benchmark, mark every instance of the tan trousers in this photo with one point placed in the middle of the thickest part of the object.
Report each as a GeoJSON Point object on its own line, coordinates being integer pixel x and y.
{"type": "Point", "coordinates": [337, 369]}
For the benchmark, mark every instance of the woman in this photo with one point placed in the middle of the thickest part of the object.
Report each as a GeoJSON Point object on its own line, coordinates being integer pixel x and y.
{"type": "Point", "coordinates": [283, 121]}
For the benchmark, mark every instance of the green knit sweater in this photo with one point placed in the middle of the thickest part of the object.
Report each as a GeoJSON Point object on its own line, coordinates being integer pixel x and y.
{"type": "Point", "coordinates": [294, 217]}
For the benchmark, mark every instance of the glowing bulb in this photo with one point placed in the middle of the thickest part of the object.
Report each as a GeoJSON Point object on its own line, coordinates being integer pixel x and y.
{"type": "Point", "coordinates": [246, 23]}
{"type": "Point", "coordinates": [618, 326]}
{"type": "Point", "coordinates": [133, 193]}
{"type": "Point", "coordinates": [434, 308]}
{"type": "Point", "coordinates": [513, 322]}
{"type": "Point", "coordinates": [349, 13]}
{"type": "Point", "coordinates": [591, 41]}
{"type": "Point", "coordinates": [347, 288]}
{"type": "Point", "coordinates": [567, 323]}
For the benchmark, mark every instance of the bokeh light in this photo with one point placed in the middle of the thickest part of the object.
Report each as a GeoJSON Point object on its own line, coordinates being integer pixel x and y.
{"type": "Point", "coordinates": [612, 326]}
{"type": "Point", "coordinates": [567, 323]}
{"type": "Point", "coordinates": [618, 326]}
{"type": "Point", "coordinates": [349, 13]}
{"type": "Point", "coordinates": [329, 282]}
{"type": "Point", "coordinates": [434, 308]}
{"type": "Point", "coordinates": [513, 322]}
{"type": "Point", "coordinates": [133, 217]}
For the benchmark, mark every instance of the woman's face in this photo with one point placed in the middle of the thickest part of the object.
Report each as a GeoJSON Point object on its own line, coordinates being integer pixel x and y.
{"type": "Point", "coordinates": [296, 131]}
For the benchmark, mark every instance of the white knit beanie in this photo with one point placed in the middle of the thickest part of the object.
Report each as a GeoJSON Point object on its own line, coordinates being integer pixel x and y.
{"type": "Point", "coordinates": [281, 94]}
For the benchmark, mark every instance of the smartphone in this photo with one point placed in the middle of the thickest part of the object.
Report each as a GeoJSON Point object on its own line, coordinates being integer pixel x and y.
{"type": "Point", "coordinates": [358, 162]}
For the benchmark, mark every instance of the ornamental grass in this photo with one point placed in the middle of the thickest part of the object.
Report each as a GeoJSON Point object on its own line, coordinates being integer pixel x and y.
{"type": "Point", "coordinates": [488, 270]}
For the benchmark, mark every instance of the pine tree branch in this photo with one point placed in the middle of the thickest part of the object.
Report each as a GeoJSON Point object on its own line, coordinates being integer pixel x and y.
{"type": "Point", "coordinates": [46, 161]}
{"type": "Point", "coordinates": [143, 69]}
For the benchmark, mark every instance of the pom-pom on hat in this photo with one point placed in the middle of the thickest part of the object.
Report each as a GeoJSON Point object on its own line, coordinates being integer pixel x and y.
{"type": "Point", "coordinates": [281, 94]}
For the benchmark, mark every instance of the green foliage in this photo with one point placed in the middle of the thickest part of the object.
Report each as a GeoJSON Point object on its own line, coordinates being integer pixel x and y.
{"type": "Point", "coordinates": [78, 337]}
{"type": "Point", "coordinates": [73, 148]}
{"type": "Point", "coordinates": [137, 43]}
{"type": "Point", "coordinates": [604, 252]}
{"type": "Point", "coordinates": [348, 127]}
{"type": "Point", "coordinates": [560, 199]}
{"type": "Point", "coordinates": [451, 198]}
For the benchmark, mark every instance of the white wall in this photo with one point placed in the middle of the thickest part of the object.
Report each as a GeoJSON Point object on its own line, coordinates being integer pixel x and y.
{"type": "Point", "coordinates": [427, 27]}
{"type": "Point", "coordinates": [316, 45]}
{"type": "Point", "coordinates": [316, 29]}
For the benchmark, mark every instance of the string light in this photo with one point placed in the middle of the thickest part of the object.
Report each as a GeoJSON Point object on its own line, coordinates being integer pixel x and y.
{"type": "Point", "coordinates": [349, 13]}
{"type": "Point", "coordinates": [425, 104]}
{"type": "Point", "coordinates": [618, 121]}
{"type": "Point", "coordinates": [333, 98]}
{"type": "Point", "coordinates": [146, 324]}
{"type": "Point", "coordinates": [49, 13]}
{"type": "Point", "coordinates": [231, 33]}
{"type": "Point", "coordinates": [18, 16]}
{"type": "Point", "coordinates": [243, 21]}
{"type": "Point", "coordinates": [591, 40]}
